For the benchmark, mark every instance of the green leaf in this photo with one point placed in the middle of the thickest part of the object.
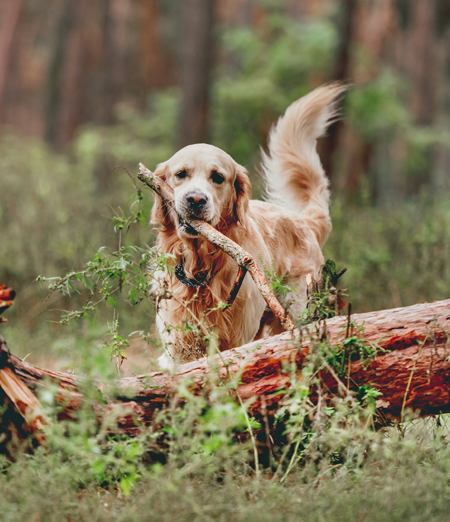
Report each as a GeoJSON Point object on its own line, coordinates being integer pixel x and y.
{"type": "Point", "coordinates": [88, 283]}
{"type": "Point", "coordinates": [111, 301]}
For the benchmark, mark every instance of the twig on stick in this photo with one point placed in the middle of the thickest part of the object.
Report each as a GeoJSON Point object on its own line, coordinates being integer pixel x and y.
{"type": "Point", "coordinates": [242, 258]}
{"type": "Point", "coordinates": [237, 285]}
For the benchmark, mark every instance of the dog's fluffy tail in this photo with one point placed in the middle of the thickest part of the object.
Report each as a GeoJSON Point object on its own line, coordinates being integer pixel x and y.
{"type": "Point", "coordinates": [295, 178]}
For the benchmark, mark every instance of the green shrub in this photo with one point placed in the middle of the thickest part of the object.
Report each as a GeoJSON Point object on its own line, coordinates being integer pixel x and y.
{"type": "Point", "coordinates": [395, 256]}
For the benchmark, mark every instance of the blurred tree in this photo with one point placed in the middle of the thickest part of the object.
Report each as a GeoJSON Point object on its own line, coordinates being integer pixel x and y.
{"type": "Point", "coordinates": [65, 63]}
{"type": "Point", "coordinates": [157, 66]}
{"type": "Point", "coordinates": [9, 18]}
{"type": "Point", "coordinates": [340, 73]}
{"type": "Point", "coordinates": [422, 63]}
{"type": "Point", "coordinates": [54, 71]}
{"type": "Point", "coordinates": [196, 60]}
{"type": "Point", "coordinates": [374, 26]}
{"type": "Point", "coordinates": [115, 65]}
{"type": "Point", "coordinates": [423, 74]}
{"type": "Point", "coordinates": [66, 75]}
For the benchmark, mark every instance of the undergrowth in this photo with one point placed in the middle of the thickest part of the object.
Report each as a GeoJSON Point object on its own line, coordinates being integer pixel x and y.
{"type": "Point", "coordinates": [324, 460]}
{"type": "Point", "coordinates": [401, 479]}
{"type": "Point", "coordinates": [205, 457]}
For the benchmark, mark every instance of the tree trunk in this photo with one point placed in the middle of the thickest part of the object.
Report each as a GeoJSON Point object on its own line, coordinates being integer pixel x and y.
{"type": "Point", "coordinates": [373, 26]}
{"type": "Point", "coordinates": [157, 64]}
{"type": "Point", "coordinates": [115, 76]}
{"type": "Point", "coordinates": [196, 57]}
{"type": "Point", "coordinates": [70, 114]}
{"type": "Point", "coordinates": [422, 62]}
{"type": "Point", "coordinates": [9, 17]}
{"type": "Point", "coordinates": [55, 72]}
{"type": "Point", "coordinates": [341, 73]}
{"type": "Point", "coordinates": [412, 371]}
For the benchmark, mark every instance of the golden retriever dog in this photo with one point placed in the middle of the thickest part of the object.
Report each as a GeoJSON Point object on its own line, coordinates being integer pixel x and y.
{"type": "Point", "coordinates": [285, 233]}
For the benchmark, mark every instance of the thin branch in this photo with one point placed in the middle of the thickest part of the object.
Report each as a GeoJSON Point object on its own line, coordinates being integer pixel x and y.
{"type": "Point", "coordinates": [237, 285]}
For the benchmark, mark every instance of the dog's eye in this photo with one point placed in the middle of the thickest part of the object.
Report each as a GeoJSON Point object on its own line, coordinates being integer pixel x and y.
{"type": "Point", "coordinates": [182, 174]}
{"type": "Point", "coordinates": [217, 178]}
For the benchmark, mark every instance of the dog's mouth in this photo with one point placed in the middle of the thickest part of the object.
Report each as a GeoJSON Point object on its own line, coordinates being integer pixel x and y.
{"type": "Point", "coordinates": [186, 229]}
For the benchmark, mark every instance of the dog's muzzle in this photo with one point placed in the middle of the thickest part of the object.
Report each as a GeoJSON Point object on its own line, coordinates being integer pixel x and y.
{"type": "Point", "coordinates": [194, 205]}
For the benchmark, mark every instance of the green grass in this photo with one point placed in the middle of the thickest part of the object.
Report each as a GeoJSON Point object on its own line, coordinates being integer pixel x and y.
{"type": "Point", "coordinates": [400, 479]}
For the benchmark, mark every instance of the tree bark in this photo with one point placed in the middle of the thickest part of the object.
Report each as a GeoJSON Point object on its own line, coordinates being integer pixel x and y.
{"type": "Point", "coordinates": [412, 371]}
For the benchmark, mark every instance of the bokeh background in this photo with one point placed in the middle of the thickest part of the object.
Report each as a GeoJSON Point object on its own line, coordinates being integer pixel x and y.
{"type": "Point", "coordinates": [88, 88]}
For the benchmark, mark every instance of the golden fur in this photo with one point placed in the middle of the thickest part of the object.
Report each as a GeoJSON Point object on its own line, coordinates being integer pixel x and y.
{"type": "Point", "coordinates": [286, 232]}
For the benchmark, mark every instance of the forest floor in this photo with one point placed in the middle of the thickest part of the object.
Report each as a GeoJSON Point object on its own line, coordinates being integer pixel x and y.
{"type": "Point", "coordinates": [402, 478]}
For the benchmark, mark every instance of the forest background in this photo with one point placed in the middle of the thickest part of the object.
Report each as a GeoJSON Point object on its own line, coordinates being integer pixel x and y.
{"type": "Point", "coordinates": [88, 89]}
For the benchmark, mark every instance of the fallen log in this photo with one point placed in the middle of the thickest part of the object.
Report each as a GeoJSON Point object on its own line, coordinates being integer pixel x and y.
{"type": "Point", "coordinates": [412, 370]}
{"type": "Point", "coordinates": [6, 299]}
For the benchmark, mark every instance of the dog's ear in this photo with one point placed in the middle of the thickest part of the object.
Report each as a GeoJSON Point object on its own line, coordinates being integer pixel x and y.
{"type": "Point", "coordinates": [243, 189]}
{"type": "Point", "coordinates": [159, 211]}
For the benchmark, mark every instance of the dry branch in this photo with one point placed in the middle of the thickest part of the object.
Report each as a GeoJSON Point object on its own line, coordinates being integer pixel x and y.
{"type": "Point", "coordinates": [413, 371]}
{"type": "Point", "coordinates": [237, 285]}
{"type": "Point", "coordinates": [242, 258]}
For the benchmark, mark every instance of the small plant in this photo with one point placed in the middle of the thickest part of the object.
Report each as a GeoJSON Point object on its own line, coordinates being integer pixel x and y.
{"type": "Point", "coordinates": [128, 272]}
{"type": "Point", "coordinates": [324, 298]}
{"type": "Point", "coordinates": [280, 285]}
{"type": "Point", "coordinates": [117, 345]}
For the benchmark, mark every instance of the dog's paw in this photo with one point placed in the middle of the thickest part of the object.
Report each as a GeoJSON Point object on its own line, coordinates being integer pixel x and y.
{"type": "Point", "coordinates": [159, 286]}
{"type": "Point", "coordinates": [166, 362]}
{"type": "Point", "coordinates": [158, 291]}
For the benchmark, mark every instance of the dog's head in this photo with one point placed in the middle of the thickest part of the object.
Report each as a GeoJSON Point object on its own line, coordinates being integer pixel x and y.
{"type": "Point", "coordinates": [208, 185]}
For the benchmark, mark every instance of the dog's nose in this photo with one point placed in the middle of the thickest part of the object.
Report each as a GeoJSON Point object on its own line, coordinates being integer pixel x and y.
{"type": "Point", "coordinates": [196, 199]}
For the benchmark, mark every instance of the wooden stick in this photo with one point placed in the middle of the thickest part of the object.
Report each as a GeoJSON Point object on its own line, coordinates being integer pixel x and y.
{"type": "Point", "coordinates": [242, 258]}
